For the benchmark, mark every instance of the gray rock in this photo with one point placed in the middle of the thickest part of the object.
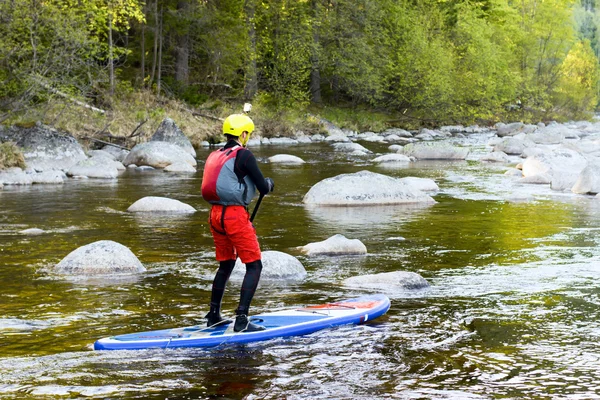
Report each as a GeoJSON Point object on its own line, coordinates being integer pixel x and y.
{"type": "Point", "coordinates": [95, 167]}
{"type": "Point", "coordinates": [588, 180]}
{"type": "Point", "coordinates": [117, 153]}
{"type": "Point", "coordinates": [158, 155]}
{"type": "Point", "coordinates": [160, 204]}
{"type": "Point", "coordinates": [422, 184]}
{"type": "Point", "coordinates": [512, 145]}
{"type": "Point", "coordinates": [48, 177]}
{"type": "Point", "coordinates": [496, 156]}
{"type": "Point", "coordinates": [45, 148]}
{"type": "Point", "coordinates": [169, 132]}
{"type": "Point", "coordinates": [453, 128]}
{"type": "Point", "coordinates": [335, 245]}
{"type": "Point", "coordinates": [283, 141]}
{"type": "Point", "coordinates": [337, 138]}
{"type": "Point", "coordinates": [285, 159]}
{"type": "Point", "coordinates": [15, 176]}
{"type": "Point", "coordinates": [540, 179]}
{"type": "Point", "coordinates": [514, 172]}
{"type": "Point", "coordinates": [395, 148]}
{"type": "Point", "coordinates": [100, 258]}
{"type": "Point", "coordinates": [397, 131]}
{"type": "Point", "coordinates": [32, 232]}
{"type": "Point", "coordinates": [364, 188]}
{"type": "Point", "coordinates": [397, 279]}
{"type": "Point", "coordinates": [349, 147]}
{"type": "Point", "coordinates": [561, 165]}
{"type": "Point", "coordinates": [277, 266]}
{"type": "Point", "coordinates": [392, 158]}
{"type": "Point", "coordinates": [509, 129]}
{"type": "Point", "coordinates": [101, 153]}
{"type": "Point", "coordinates": [180, 167]}
{"type": "Point", "coordinates": [435, 151]}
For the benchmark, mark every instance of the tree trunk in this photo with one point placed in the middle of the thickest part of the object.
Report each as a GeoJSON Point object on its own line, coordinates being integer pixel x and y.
{"type": "Point", "coordinates": [160, 45]}
{"type": "Point", "coordinates": [315, 73]}
{"type": "Point", "coordinates": [111, 66]}
{"type": "Point", "coordinates": [156, 33]}
{"type": "Point", "coordinates": [143, 50]}
{"type": "Point", "coordinates": [251, 84]}
{"type": "Point", "coordinates": [182, 50]}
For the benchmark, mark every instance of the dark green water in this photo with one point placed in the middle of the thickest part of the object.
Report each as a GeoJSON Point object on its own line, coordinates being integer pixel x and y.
{"type": "Point", "coordinates": [513, 311]}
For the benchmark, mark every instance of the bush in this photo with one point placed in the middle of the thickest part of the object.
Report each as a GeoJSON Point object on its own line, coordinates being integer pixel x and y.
{"type": "Point", "coordinates": [11, 156]}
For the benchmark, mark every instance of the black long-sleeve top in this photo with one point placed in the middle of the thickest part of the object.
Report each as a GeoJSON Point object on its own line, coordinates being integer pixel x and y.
{"type": "Point", "coordinates": [246, 165]}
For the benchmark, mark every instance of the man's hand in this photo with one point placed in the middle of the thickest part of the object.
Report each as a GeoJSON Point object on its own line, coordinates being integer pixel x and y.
{"type": "Point", "coordinates": [270, 183]}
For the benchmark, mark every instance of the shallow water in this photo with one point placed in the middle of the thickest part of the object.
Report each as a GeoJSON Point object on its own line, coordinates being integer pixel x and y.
{"type": "Point", "coordinates": [513, 310]}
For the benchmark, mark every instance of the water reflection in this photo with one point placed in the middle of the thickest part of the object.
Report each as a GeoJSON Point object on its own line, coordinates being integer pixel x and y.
{"type": "Point", "coordinates": [367, 216]}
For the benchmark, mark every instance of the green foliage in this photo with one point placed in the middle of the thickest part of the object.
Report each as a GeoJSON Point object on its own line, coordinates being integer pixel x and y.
{"type": "Point", "coordinates": [11, 156]}
{"type": "Point", "coordinates": [426, 60]}
{"type": "Point", "coordinates": [578, 83]}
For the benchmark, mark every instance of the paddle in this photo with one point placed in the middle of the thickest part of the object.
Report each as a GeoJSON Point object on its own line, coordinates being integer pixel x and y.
{"type": "Point", "coordinates": [256, 207]}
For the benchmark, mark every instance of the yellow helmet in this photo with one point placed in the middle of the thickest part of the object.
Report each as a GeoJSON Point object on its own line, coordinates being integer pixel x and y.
{"type": "Point", "coordinates": [236, 124]}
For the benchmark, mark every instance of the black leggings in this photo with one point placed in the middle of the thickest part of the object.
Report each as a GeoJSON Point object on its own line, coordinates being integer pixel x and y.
{"type": "Point", "coordinates": [253, 271]}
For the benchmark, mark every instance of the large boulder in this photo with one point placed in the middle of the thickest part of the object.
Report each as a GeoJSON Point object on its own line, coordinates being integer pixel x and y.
{"type": "Point", "coordinates": [169, 132]}
{"type": "Point", "coordinates": [435, 151]}
{"type": "Point", "coordinates": [562, 165]}
{"type": "Point", "coordinates": [277, 266]}
{"type": "Point", "coordinates": [396, 279]}
{"type": "Point", "coordinates": [364, 188]}
{"type": "Point", "coordinates": [160, 205]}
{"type": "Point", "coordinates": [589, 179]}
{"type": "Point", "coordinates": [100, 258]}
{"type": "Point", "coordinates": [158, 155]}
{"type": "Point", "coordinates": [45, 148]}
{"type": "Point", "coordinates": [335, 245]}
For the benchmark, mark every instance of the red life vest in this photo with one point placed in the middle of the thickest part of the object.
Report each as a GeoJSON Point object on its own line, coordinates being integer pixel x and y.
{"type": "Point", "coordinates": [220, 184]}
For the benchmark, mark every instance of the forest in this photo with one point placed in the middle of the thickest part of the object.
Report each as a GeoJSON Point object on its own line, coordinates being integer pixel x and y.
{"type": "Point", "coordinates": [414, 62]}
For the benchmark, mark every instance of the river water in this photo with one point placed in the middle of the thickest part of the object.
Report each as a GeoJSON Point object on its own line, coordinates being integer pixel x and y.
{"type": "Point", "coordinates": [513, 310]}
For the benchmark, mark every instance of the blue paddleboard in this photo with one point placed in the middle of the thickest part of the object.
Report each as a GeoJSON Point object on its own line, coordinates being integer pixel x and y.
{"type": "Point", "coordinates": [290, 322]}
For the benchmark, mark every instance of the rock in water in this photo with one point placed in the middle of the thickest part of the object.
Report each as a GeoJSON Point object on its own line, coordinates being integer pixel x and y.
{"type": "Point", "coordinates": [158, 155]}
{"type": "Point", "coordinates": [402, 279]}
{"type": "Point", "coordinates": [364, 188]}
{"type": "Point", "coordinates": [285, 159]}
{"type": "Point", "coordinates": [160, 204]}
{"type": "Point", "coordinates": [435, 151]}
{"type": "Point", "coordinates": [277, 266]}
{"type": "Point", "coordinates": [100, 258]}
{"type": "Point", "coordinates": [335, 245]}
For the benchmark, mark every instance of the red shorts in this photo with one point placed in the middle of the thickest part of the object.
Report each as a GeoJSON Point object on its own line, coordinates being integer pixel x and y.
{"type": "Point", "coordinates": [233, 233]}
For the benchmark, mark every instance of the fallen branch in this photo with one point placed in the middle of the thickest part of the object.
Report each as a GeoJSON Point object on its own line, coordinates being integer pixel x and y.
{"type": "Point", "coordinates": [106, 143]}
{"type": "Point", "coordinates": [197, 114]}
{"type": "Point", "coordinates": [70, 98]}
{"type": "Point", "coordinates": [132, 134]}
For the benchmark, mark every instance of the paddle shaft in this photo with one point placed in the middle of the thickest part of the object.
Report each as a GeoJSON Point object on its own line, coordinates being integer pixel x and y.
{"type": "Point", "coordinates": [256, 207]}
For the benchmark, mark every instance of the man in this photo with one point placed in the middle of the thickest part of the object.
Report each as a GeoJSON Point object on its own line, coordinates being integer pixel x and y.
{"type": "Point", "coordinates": [231, 178]}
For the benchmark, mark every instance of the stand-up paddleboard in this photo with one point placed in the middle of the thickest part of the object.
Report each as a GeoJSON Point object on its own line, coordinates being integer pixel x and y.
{"type": "Point", "coordinates": [292, 322]}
